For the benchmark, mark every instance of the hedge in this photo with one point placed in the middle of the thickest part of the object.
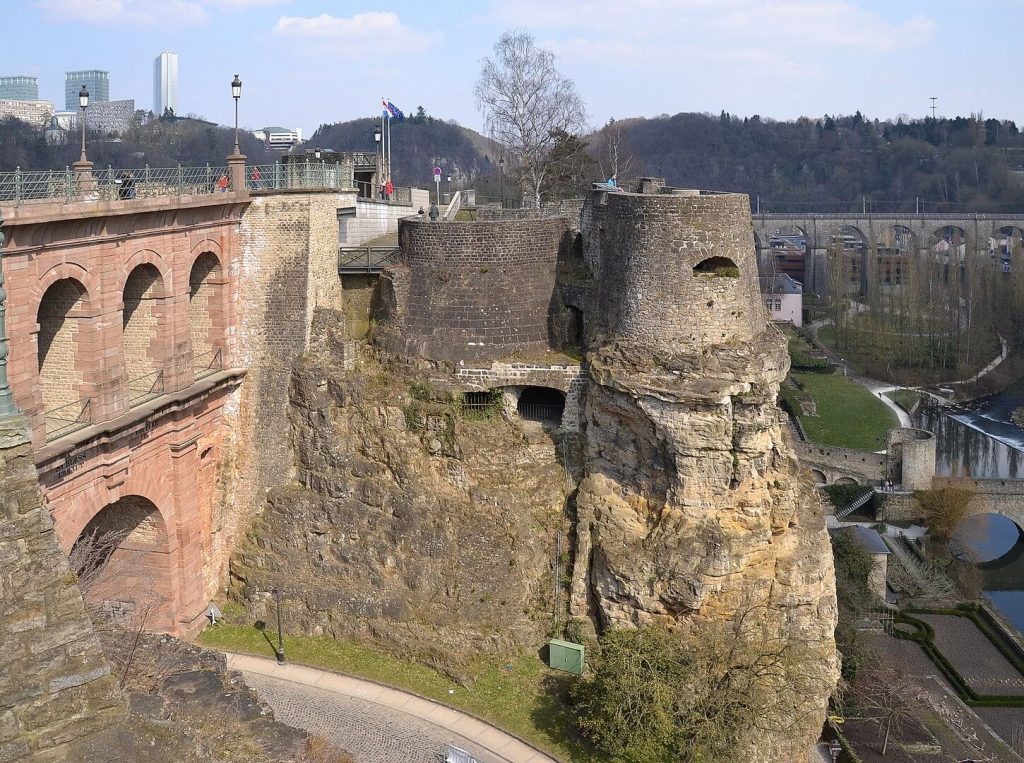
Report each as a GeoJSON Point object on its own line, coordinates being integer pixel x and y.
{"type": "Point", "coordinates": [925, 636]}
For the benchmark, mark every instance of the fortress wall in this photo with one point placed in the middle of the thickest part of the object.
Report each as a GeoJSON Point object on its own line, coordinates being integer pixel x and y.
{"type": "Point", "coordinates": [55, 683]}
{"type": "Point", "coordinates": [649, 295]}
{"type": "Point", "coordinates": [870, 465]}
{"type": "Point", "coordinates": [289, 279]}
{"type": "Point", "coordinates": [373, 219]}
{"type": "Point", "coordinates": [475, 290]}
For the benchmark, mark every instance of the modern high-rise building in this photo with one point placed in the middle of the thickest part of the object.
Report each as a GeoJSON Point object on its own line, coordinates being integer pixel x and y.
{"type": "Point", "coordinates": [97, 80]}
{"type": "Point", "coordinates": [19, 87]}
{"type": "Point", "coordinates": [165, 83]}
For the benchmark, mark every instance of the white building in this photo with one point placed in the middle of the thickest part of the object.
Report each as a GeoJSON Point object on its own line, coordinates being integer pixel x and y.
{"type": "Point", "coordinates": [784, 298]}
{"type": "Point", "coordinates": [165, 83]}
{"type": "Point", "coordinates": [37, 113]}
{"type": "Point", "coordinates": [279, 138]}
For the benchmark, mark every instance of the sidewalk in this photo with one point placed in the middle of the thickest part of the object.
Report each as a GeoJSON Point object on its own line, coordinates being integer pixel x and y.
{"type": "Point", "coordinates": [504, 746]}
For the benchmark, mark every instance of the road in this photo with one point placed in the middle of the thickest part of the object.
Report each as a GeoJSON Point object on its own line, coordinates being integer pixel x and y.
{"type": "Point", "coordinates": [375, 723]}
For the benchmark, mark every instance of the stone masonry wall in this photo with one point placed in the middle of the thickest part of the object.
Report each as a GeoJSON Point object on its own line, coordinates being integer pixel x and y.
{"type": "Point", "coordinates": [649, 293]}
{"type": "Point", "coordinates": [373, 219]}
{"type": "Point", "coordinates": [289, 279]}
{"type": "Point", "coordinates": [473, 290]}
{"type": "Point", "coordinates": [567, 378]}
{"type": "Point", "coordinates": [55, 683]}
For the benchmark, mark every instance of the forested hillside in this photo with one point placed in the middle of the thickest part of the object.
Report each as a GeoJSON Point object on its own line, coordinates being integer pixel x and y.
{"type": "Point", "coordinates": [418, 144]}
{"type": "Point", "coordinates": [160, 143]}
{"type": "Point", "coordinates": [965, 160]}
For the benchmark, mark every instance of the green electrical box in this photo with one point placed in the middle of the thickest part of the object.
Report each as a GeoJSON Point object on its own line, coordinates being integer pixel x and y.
{"type": "Point", "coordinates": [565, 655]}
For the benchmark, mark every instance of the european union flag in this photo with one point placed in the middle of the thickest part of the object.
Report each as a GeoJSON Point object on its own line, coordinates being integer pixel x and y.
{"type": "Point", "coordinates": [395, 111]}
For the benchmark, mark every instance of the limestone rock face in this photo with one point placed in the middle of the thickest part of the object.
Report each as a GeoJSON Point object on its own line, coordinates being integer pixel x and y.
{"type": "Point", "coordinates": [405, 524]}
{"type": "Point", "coordinates": [693, 507]}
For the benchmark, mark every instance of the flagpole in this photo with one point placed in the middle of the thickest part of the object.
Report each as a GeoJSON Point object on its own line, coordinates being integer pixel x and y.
{"type": "Point", "coordinates": [389, 144]}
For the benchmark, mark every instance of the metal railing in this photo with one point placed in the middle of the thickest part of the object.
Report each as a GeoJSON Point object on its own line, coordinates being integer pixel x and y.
{"type": "Point", "coordinates": [145, 388]}
{"type": "Point", "coordinates": [855, 504]}
{"type": "Point", "coordinates": [111, 184]}
{"type": "Point", "coordinates": [299, 176]}
{"type": "Point", "coordinates": [540, 411]}
{"type": "Point", "coordinates": [366, 259]}
{"type": "Point", "coordinates": [883, 208]}
{"type": "Point", "coordinates": [68, 418]}
{"type": "Point", "coordinates": [207, 363]}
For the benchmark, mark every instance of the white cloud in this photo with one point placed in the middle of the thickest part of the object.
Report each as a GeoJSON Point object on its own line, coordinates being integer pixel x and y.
{"type": "Point", "coordinates": [132, 12]}
{"type": "Point", "coordinates": [374, 31]}
{"type": "Point", "coordinates": [146, 12]}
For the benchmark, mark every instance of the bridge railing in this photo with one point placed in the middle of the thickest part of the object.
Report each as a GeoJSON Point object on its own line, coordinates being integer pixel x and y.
{"type": "Point", "coordinates": [110, 184]}
{"type": "Point", "coordinates": [300, 176]}
{"type": "Point", "coordinates": [880, 208]}
{"type": "Point", "coordinates": [366, 259]}
{"type": "Point", "coordinates": [207, 363]}
{"type": "Point", "coordinates": [68, 418]}
{"type": "Point", "coordinates": [145, 388]}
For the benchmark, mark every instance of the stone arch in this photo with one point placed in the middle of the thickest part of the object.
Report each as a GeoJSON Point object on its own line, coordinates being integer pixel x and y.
{"type": "Point", "coordinates": [123, 558]}
{"type": "Point", "coordinates": [898, 239]}
{"type": "Point", "coordinates": [542, 404]}
{"type": "Point", "coordinates": [819, 477]}
{"type": "Point", "coordinates": [206, 313]}
{"type": "Point", "coordinates": [62, 271]}
{"type": "Point", "coordinates": [63, 353]}
{"type": "Point", "coordinates": [845, 481]}
{"type": "Point", "coordinates": [949, 243]}
{"type": "Point", "coordinates": [144, 336]}
{"type": "Point", "coordinates": [148, 257]}
{"type": "Point", "coordinates": [717, 267]}
{"type": "Point", "coordinates": [1006, 245]}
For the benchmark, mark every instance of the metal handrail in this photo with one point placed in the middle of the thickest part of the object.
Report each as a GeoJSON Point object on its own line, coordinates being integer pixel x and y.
{"type": "Point", "coordinates": [366, 259]}
{"type": "Point", "coordinates": [207, 363]}
{"type": "Point", "coordinates": [145, 388]}
{"type": "Point", "coordinates": [111, 184]}
{"type": "Point", "coordinates": [67, 418]}
{"type": "Point", "coordinates": [299, 176]}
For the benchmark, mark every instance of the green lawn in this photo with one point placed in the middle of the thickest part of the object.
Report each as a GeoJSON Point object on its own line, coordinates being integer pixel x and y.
{"type": "Point", "coordinates": [848, 415]}
{"type": "Point", "coordinates": [520, 695]}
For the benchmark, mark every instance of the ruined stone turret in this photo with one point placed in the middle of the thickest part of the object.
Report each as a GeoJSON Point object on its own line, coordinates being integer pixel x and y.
{"type": "Point", "coordinates": [692, 506]}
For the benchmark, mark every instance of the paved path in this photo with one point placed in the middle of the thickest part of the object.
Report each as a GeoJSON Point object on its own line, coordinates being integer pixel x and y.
{"type": "Point", "coordinates": [375, 723]}
{"type": "Point", "coordinates": [878, 389]}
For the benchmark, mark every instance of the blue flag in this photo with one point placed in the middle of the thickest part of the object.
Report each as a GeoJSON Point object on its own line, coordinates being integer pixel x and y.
{"type": "Point", "coordinates": [395, 111]}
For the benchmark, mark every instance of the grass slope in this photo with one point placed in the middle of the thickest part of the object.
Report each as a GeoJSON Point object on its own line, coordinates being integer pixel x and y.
{"type": "Point", "coordinates": [520, 695]}
{"type": "Point", "coordinates": [848, 415]}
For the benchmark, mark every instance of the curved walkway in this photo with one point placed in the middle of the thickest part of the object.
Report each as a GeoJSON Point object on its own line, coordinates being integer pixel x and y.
{"type": "Point", "coordinates": [375, 723]}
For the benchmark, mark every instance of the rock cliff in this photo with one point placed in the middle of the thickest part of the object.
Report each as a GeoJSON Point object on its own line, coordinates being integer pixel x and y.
{"type": "Point", "coordinates": [407, 523]}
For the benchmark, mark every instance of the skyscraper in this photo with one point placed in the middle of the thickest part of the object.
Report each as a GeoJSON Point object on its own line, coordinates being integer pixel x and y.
{"type": "Point", "coordinates": [165, 83]}
{"type": "Point", "coordinates": [97, 80]}
{"type": "Point", "coordinates": [19, 87]}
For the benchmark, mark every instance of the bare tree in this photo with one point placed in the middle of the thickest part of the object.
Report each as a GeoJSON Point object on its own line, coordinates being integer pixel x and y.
{"type": "Point", "coordinates": [614, 156]}
{"type": "Point", "coordinates": [887, 697]}
{"type": "Point", "coordinates": [527, 103]}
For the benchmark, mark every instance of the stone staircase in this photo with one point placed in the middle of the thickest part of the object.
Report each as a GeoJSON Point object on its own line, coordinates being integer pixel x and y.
{"type": "Point", "coordinates": [855, 504]}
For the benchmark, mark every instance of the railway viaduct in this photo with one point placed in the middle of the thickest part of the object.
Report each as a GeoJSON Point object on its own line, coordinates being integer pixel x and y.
{"type": "Point", "coordinates": [149, 344]}
{"type": "Point", "coordinates": [905, 233]}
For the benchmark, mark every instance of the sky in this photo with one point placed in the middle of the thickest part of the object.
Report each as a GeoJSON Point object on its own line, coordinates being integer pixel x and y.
{"type": "Point", "coordinates": [308, 62]}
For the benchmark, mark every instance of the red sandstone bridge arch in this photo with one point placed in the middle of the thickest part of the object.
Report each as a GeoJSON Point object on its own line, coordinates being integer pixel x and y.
{"type": "Point", "coordinates": [207, 310]}
{"type": "Point", "coordinates": [125, 562]}
{"type": "Point", "coordinates": [145, 339]}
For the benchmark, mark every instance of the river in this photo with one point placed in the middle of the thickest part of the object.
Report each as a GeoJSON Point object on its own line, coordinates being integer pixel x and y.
{"type": "Point", "coordinates": [979, 440]}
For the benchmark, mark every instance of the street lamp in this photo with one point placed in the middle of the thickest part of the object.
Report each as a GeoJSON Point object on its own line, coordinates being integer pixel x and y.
{"type": "Point", "coordinates": [280, 640]}
{"type": "Point", "coordinates": [236, 93]}
{"type": "Point", "coordinates": [449, 185]}
{"type": "Point", "coordinates": [501, 180]}
{"type": "Point", "coordinates": [83, 101]}
{"type": "Point", "coordinates": [316, 153]}
{"type": "Point", "coordinates": [834, 748]}
{"type": "Point", "coordinates": [377, 137]}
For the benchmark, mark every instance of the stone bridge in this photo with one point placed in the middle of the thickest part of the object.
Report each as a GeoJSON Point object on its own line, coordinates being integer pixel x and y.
{"type": "Point", "coordinates": [899, 232]}
{"type": "Point", "coordinates": [150, 345]}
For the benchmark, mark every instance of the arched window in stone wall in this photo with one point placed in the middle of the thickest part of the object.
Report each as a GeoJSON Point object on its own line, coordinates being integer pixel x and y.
{"type": "Point", "coordinates": [142, 338]}
{"type": "Point", "coordinates": [205, 314]}
{"type": "Point", "coordinates": [62, 358]}
{"type": "Point", "coordinates": [719, 267]}
{"type": "Point", "coordinates": [122, 559]}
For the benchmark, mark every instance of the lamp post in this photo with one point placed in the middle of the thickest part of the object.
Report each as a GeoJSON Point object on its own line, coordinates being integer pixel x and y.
{"type": "Point", "coordinates": [280, 639]}
{"type": "Point", "coordinates": [83, 101]}
{"type": "Point", "coordinates": [236, 93]}
{"type": "Point", "coordinates": [501, 180]}
{"type": "Point", "coordinates": [834, 748]}
{"type": "Point", "coordinates": [377, 136]}
{"type": "Point", "coordinates": [316, 153]}
{"type": "Point", "coordinates": [449, 186]}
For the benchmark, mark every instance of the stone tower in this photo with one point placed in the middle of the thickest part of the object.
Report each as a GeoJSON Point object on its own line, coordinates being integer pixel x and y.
{"type": "Point", "coordinates": [692, 506]}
